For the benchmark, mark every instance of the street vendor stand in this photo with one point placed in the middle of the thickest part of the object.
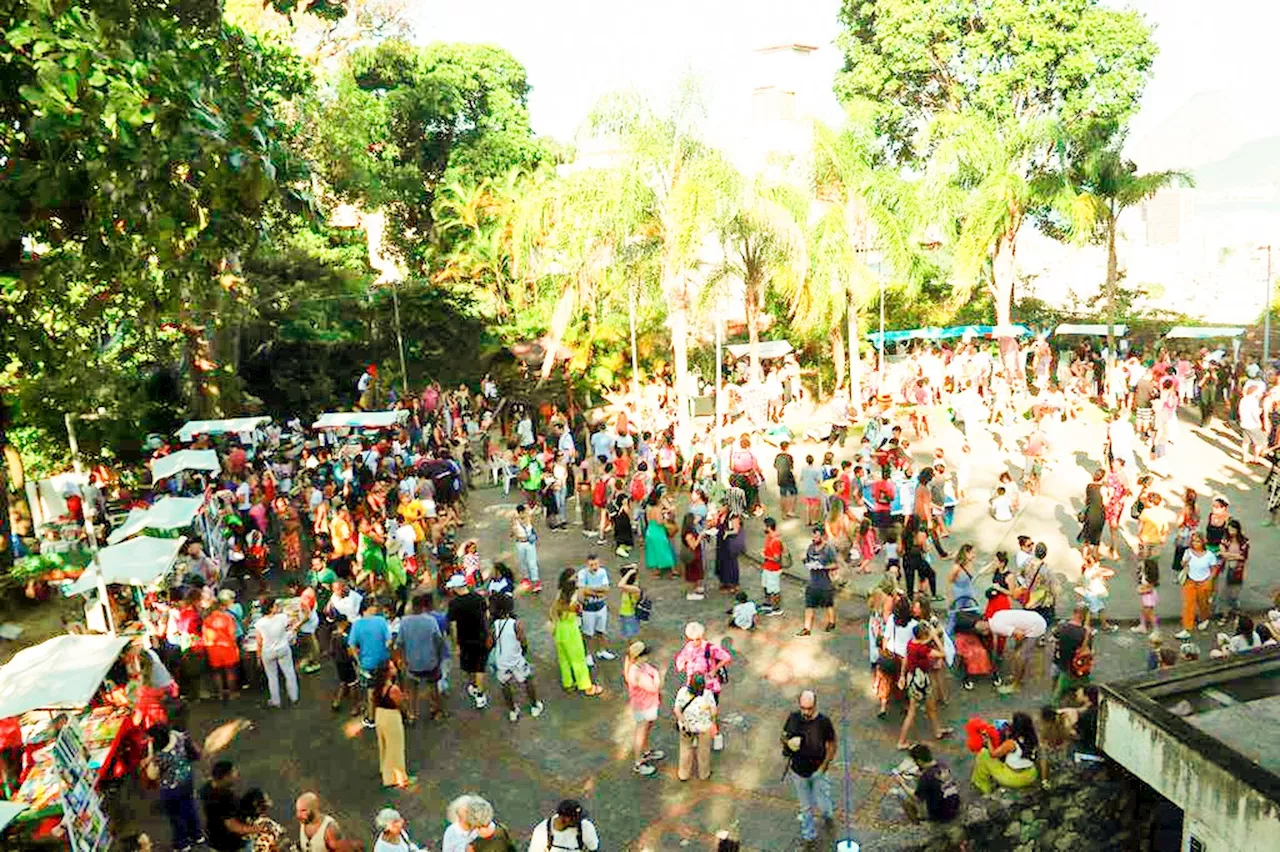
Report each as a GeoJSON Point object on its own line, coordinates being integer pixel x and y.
{"type": "Point", "coordinates": [167, 513]}
{"type": "Point", "coordinates": [46, 689]}
{"type": "Point", "coordinates": [142, 563]}
{"type": "Point", "coordinates": [362, 420]}
{"type": "Point", "coordinates": [1209, 332]}
{"type": "Point", "coordinates": [247, 428]}
{"type": "Point", "coordinates": [183, 460]}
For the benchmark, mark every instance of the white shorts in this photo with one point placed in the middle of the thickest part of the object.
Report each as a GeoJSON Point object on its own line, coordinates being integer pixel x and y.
{"type": "Point", "coordinates": [520, 672]}
{"type": "Point", "coordinates": [771, 582]}
{"type": "Point", "coordinates": [595, 622]}
{"type": "Point", "coordinates": [650, 715]}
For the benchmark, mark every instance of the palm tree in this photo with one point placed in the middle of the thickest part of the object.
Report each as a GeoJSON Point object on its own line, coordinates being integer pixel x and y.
{"type": "Point", "coordinates": [982, 176]}
{"type": "Point", "coordinates": [1104, 184]}
{"type": "Point", "coordinates": [764, 244]}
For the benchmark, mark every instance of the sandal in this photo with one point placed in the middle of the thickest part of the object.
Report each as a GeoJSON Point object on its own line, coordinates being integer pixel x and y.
{"type": "Point", "coordinates": [905, 746]}
{"type": "Point", "coordinates": [594, 691]}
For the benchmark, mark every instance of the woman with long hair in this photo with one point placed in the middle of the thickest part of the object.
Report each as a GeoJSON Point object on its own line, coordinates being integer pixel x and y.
{"type": "Point", "coordinates": [1017, 762]}
{"type": "Point", "coordinates": [1188, 521]}
{"type": "Point", "coordinates": [658, 555]}
{"type": "Point", "coordinates": [923, 648]}
{"type": "Point", "coordinates": [389, 724]}
{"type": "Point", "coordinates": [1115, 491]}
{"type": "Point", "coordinates": [571, 652]}
{"type": "Point", "coordinates": [691, 556]}
{"type": "Point", "coordinates": [744, 473]}
{"type": "Point", "coordinates": [1093, 516]}
{"type": "Point", "coordinates": [1234, 552]}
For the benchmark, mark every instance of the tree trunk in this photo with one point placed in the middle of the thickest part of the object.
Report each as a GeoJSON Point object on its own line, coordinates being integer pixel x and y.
{"type": "Point", "coordinates": [751, 300]}
{"type": "Point", "coordinates": [837, 353]}
{"type": "Point", "coordinates": [1111, 291]}
{"type": "Point", "coordinates": [855, 352]}
{"type": "Point", "coordinates": [6, 544]}
{"type": "Point", "coordinates": [676, 289]}
{"type": "Point", "coordinates": [1002, 274]}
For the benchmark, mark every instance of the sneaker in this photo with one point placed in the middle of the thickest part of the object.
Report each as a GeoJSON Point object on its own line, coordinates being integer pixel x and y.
{"type": "Point", "coordinates": [1182, 635]}
{"type": "Point", "coordinates": [591, 660]}
{"type": "Point", "coordinates": [694, 596]}
{"type": "Point", "coordinates": [773, 613]}
{"type": "Point", "coordinates": [482, 701]}
{"type": "Point", "coordinates": [367, 723]}
{"type": "Point", "coordinates": [1137, 628]}
{"type": "Point", "coordinates": [471, 690]}
{"type": "Point", "coordinates": [643, 769]}
{"type": "Point", "coordinates": [1204, 625]}
{"type": "Point", "coordinates": [968, 684]}
{"type": "Point", "coordinates": [607, 655]}
{"type": "Point", "coordinates": [536, 710]}
{"type": "Point", "coordinates": [654, 754]}
{"type": "Point", "coordinates": [1112, 628]}
{"type": "Point", "coordinates": [765, 609]}
{"type": "Point", "coordinates": [599, 541]}
{"type": "Point", "coordinates": [514, 715]}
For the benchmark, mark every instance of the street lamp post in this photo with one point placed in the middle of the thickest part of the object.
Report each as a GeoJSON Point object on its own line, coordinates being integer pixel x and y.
{"type": "Point", "coordinates": [89, 510]}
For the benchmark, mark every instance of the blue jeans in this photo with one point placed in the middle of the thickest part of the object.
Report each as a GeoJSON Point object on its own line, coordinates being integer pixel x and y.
{"type": "Point", "coordinates": [527, 559]}
{"type": "Point", "coordinates": [184, 819]}
{"type": "Point", "coordinates": [814, 793]}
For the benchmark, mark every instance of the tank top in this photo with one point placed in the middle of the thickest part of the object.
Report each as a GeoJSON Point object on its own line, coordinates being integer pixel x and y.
{"type": "Point", "coordinates": [316, 842]}
{"type": "Point", "coordinates": [508, 652]}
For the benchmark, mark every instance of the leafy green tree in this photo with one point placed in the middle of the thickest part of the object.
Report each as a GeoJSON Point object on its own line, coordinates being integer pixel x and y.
{"type": "Point", "coordinates": [1004, 71]}
{"type": "Point", "coordinates": [407, 120]}
{"type": "Point", "coordinates": [1100, 184]}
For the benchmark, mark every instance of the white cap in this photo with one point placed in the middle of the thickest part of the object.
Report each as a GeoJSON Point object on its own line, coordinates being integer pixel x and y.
{"type": "Point", "coordinates": [457, 581]}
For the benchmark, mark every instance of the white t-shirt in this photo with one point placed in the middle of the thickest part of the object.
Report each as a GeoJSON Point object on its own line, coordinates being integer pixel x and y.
{"type": "Point", "coordinates": [565, 840]}
{"type": "Point", "coordinates": [242, 496]}
{"type": "Point", "coordinates": [349, 605]}
{"type": "Point", "coordinates": [1007, 621]}
{"type": "Point", "coordinates": [744, 615]}
{"type": "Point", "coordinates": [274, 630]}
{"type": "Point", "coordinates": [407, 538]}
{"type": "Point", "coordinates": [1002, 508]}
{"type": "Point", "coordinates": [456, 839]}
{"type": "Point", "coordinates": [1251, 412]}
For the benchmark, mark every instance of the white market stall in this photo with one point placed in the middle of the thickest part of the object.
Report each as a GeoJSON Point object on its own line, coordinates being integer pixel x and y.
{"type": "Point", "coordinates": [175, 463]}
{"type": "Point", "coordinates": [1089, 329]}
{"type": "Point", "coordinates": [246, 427]}
{"type": "Point", "coordinates": [1209, 332]}
{"type": "Point", "coordinates": [142, 561]}
{"type": "Point", "coordinates": [62, 673]}
{"type": "Point", "coordinates": [360, 419]}
{"type": "Point", "coordinates": [768, 349]}
{"type": "Point", "coordinates": [168, 513]}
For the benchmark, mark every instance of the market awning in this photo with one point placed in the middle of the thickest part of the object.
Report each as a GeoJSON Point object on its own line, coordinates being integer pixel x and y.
{"type": "Point", "coordinates": [169, 513]}
{"type": "Point", "coordinates": [9, 811]}
{"type": "Point", "coordinates": [141, 561]}
{"type": "Point", "coordinates": [907, 334]}
{"type": "Point", "coordinates": [1095, 329]}
{"type": "Point", "coordinates": [166, 466]}
{"type": "Point", "coordinates": [234, 425]}
{"type": "Point", "coordinates": [360, 419]}
{"type": "Point", "coordinates": [1205, 332]}
{"type": "Point", "coordinates": [767, 349]}
{"type": "Point", "coordinates": [63, 672]}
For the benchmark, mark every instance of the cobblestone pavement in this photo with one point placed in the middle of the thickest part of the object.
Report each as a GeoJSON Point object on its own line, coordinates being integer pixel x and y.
{"type": "Point", "coordinates": [580, 747]}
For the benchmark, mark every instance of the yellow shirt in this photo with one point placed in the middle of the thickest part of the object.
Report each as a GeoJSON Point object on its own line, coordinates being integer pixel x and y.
{"type": "Point", "coordinates": [1153, 525]}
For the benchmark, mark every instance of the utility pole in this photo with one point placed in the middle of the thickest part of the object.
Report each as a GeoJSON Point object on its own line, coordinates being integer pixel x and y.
{"type": "Point", "coordinates": [90, 510]}
{"type": "Point", "coordinates": [395, 303]}
{"type": "Point", "coordinates": [1266, 318]}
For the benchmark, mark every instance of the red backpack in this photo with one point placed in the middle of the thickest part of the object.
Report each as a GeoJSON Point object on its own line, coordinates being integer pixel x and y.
{"type": "Point", "coordinates": [599, 493]}
{"type": "Point", "coordinates": [637, 488]}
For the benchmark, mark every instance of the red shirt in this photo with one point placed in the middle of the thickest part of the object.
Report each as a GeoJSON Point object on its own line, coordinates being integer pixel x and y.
{"type": "Point", "coordinates": [918, 656]}
{"type": "Point", "coordinates": [220, 639]}
{"type": "Point", "coordinates": [882, 493]}
{"type": "Point", "coordinates": [620, 466]}
{"type": "Point", "coordinates": [843, 486]}
{"type": "Point", "coordinates": [772, 553]}
{"type": "Point", "coordinates": [236, 460]}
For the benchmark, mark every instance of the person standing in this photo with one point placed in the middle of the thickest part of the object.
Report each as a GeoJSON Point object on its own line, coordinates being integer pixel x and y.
{"type": "Point", "coordinates": [274, 640]}
{"type": "Point", "coordinates": [526, 536]}
{"type": "Point", "coordinates": [819, 560]}
{"type": "Point", "coordinates": [226, 830]}
{"type": "Point", "coordinates": [1251, 424]}
{"type": "Point", "coordinates": [171, 756]}
{"type": "Point", "coordinates": [809, 741]}
{"type": "Point", "coordinates": [1199, 566]}
{"type": "Point", "coordinates": [510, 652]}
{"type": "Point", "coordinates": [319, 832]}
{"type": "Point", "coordinates": [571, 654]}
{"type": "Point", "coordinates": [771, 568]}
{"type": "Point", "coordinates": [468, 619]}
{"type": "Point", "coordinates": [221, 648]}
{"type": "Point", "coordinates": [695, 711]}
{"type": "Point", "coordinates": [421, 646]}
{"type": "Point", "coordinates": [568, 828]}
{"type": "Point", "coordinates": [391, 836]}
{"type": "Point", "coordinates": [785, 466]}
{"type": "Point", "coordinates": [1153, 528]}
{"type": "Point", "coordinates": [388, 720]}
{"type": "Point", "coordinates": [644, 693]}
{"type": "Point", "coordinates": [370, 643]}
{"type": "Point", "coordinates": [487, 835]}
{"type": "Point", "coordinates": [593, 591]}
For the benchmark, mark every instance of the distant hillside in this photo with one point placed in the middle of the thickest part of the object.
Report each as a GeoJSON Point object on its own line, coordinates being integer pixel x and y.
{"type": "Point", "coordinates": [1252, 165]}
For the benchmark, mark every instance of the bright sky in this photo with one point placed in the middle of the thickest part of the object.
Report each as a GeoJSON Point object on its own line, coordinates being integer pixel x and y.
{"type": "Point", "coordinates": [577, 50]}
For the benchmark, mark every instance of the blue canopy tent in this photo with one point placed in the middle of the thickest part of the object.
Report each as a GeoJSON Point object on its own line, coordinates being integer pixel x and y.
{"type": "Point", "coordinates": [951, 332]}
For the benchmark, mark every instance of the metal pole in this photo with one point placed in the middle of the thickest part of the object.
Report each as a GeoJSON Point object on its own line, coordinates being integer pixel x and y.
{"type": "Point", "coordinates": [1266, 321]}
{"type": "Point", "coordinates": [395, 302]}
{"type": "Point", "coordinates": [881, 346]}
{"type": "Point", "coordinates": [85, 506]}
{"type": "Point", "coordinates": [720, 472]}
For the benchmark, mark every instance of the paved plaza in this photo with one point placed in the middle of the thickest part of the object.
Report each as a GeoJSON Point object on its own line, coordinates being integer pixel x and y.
{"type": "Point", "coordinates": [581, 746]}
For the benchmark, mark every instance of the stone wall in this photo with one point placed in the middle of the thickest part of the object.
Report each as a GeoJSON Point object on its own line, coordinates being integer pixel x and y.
{"type": "Point", "coordinates": [1103, 808]}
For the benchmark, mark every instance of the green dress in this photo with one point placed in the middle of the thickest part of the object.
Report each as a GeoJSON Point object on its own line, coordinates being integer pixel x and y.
{"type": "Point", "coordinates": [658, 555]}
{"type": "Point", "coordinates": [571, 652]}
{"type": "Point", "coordinates": [374, 559]}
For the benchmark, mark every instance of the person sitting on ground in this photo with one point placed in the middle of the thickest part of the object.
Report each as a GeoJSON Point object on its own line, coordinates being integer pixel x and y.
{"type": "Point", "coordinates": [743, 614]}
{"type": "Point", "coordinates": [1015, 763]}
{"type": "Point", "coordinates": [935, 789]}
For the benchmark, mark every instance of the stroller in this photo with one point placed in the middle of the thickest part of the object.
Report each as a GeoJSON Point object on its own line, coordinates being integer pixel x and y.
{"type": "Point", "coordinates": [963, 616]}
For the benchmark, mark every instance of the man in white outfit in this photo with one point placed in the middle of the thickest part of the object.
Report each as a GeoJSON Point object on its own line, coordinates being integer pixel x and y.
{"type": "Point", "coordinates": [275, 636]}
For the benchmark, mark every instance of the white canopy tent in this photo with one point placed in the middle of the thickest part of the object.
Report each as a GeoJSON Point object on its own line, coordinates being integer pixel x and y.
{"type": "Point", "coordinates": [169, 513]}
{"type": "Point", "coordinates": [360, 419]}
{"type": "Point", "coordinates": [9, 811]}
{"type": "Point", "coordinates": [768, 349]}
{"type": "Point", "coordinates": [142, 561]}
{"type": "Point", "coordinates": [234, 425]}
{"type": "Point", "coordinates": [1205, 332]}
{"type": "Point", "coordinates": [166, 466]}
{"type": "Point", "coordinates": [63, 672]}
{"type": "Point", "coordinates": [1094, 329]}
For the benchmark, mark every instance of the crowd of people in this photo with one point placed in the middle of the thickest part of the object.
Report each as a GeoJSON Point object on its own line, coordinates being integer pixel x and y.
{"type": "Point", "coordinates": [353, 549]}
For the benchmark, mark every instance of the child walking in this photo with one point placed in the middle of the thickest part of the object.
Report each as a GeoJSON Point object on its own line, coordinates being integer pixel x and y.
{"type": "Point", "coordinates": [1148, 598]}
